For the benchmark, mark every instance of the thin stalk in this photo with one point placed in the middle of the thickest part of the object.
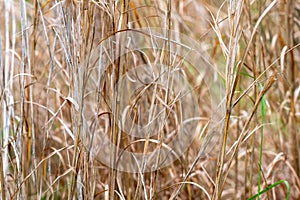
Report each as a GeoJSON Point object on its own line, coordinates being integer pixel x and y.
{"type": "Point", "coordinates": [165, 59]}
{"type": "Point", "coordinates": [261, 141]}
{"type": "Point", "coordinates": [256, 63]}
{"type": "Point", "coordinates": [8, 99]}
{"type": "Point", "coordinates": [31, 135]}
{"type": "Point", "coordinates": [118, 68]}
{"type": "Point", "coordinates": [289, 20]}
{"type": "Point", "coordinates": [2, 139]}
{"type": "Point", "coordinates": [236, 169]}
{"type": "Point", "coordinates": [231, 87]}
{"type": "Point", "coordinates": [39, 12]}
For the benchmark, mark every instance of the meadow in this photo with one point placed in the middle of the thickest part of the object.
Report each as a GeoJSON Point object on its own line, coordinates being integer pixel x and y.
{"type": "Point", "coordinates": [150, 99]}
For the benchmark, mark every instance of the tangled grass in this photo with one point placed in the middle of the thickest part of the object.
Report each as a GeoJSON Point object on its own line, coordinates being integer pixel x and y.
{"type": "Point", "coordinates": [65, 77]}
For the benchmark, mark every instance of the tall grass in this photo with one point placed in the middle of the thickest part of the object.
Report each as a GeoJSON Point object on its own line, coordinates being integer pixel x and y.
{"type": "Point", "coordinates": [71, 125]}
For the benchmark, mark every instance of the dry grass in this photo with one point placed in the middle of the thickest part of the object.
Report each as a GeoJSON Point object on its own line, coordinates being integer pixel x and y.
{"type": "Point", "coordinates": [216, 84]}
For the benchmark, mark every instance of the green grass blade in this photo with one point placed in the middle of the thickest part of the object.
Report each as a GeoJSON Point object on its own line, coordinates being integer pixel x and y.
{"type": "Point", "coordinates": [263, 101]}
{"type": "Point", "coordinates": [272, 186]}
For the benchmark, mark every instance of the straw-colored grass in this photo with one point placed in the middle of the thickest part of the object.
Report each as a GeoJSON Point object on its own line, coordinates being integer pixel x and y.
{"type": "Point", "coordinates": [150, 99]}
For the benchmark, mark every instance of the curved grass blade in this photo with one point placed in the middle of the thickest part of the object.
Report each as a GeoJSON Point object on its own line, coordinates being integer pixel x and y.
{"type": "Point", "coordinates": [272, 186]}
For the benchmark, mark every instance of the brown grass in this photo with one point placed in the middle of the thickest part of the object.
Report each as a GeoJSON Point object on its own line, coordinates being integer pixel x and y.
{"type": "Point", "coordinates": [222, 77]}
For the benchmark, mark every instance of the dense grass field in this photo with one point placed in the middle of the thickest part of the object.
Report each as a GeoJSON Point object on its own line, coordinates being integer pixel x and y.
{"type": "Point", "coordinates": [150, 99]}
